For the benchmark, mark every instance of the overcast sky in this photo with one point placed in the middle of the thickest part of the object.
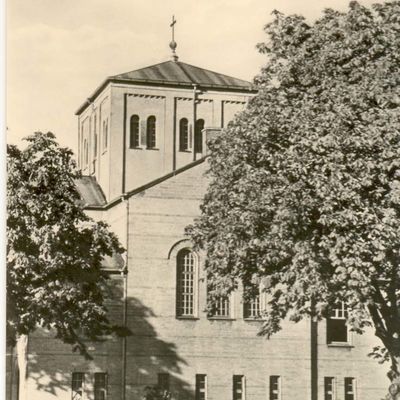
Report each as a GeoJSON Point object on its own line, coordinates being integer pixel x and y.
{"type": "Point", "coordinates": [59, 51]}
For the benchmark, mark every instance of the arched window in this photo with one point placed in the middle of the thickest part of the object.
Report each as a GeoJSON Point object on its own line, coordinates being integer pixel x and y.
{"type": "Point", "coordinates": [183, 135]}
{"type": "Point", "coordinates": [198, 136]}
{"type": "Point", "coordinates": [134, 132]}
{"type": "Point", "coordinates": [151, 132]}
{"type": "Point", "coordinates": [186, 284]}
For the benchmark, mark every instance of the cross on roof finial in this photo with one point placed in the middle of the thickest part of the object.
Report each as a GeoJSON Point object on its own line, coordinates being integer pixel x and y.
{"type": "Point", "coordinates": [173, 44]}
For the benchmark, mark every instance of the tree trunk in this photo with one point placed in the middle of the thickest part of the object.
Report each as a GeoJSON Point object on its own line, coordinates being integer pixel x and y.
{"type": "Point", "coordinates": [394, 376]}
{"type": "Point", "coordinates": [22, 357]}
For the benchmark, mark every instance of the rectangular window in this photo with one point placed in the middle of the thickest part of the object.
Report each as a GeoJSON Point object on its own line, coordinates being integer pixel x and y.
{"type": "Point", "coordinates": [329, 388]}
{"type": "Point", "coordinates": [274, 387]}
{"type": "Point", "coordinates": [238, 387]}
{"type": "Point", "coordinates": [77, 385]}
{"type": "Point", "coordinates": [163, 381]}
{"type": "Point", "coordinates": [349, 389]}
{"type": "Point", "coordinates": [336, 327]}
{"type": "Point", "coordinates": [222, 308]}
{"type": "Point", "coordinates": [100, 386]}
{"type": "Point", "coordinates": [201, 387]}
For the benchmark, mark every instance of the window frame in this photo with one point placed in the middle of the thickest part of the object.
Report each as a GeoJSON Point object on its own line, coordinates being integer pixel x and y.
{"type": "Point", "coordinates": [184, 143]}
{"type": "Point", "coordinates": [272, 391]}
{"type": "Point", "coordinates": [230, 316]}
{"type": "Point", "coordinates": [199, 390]}
{"type": "Point", "coordinates": [198, 132]}
{"type": "Point", "coordinates": [104, 390]}
{"type": "Point", "coordinates": [195, 283]}
{"type": "Point", "coordinates": [242, 394]}
{"type": "Point", "coordinates": [151, 132]}
{"type": "Point", "coordinates": [339, 314]}
{"type": "Point", "coordinates": [353, 394]}
{"type": "Point", "coordinates": [329, 395]}
{"type": "Point", "coordinates": [135, 143]}
{"type": "Point", "coordinates": [82, 387]}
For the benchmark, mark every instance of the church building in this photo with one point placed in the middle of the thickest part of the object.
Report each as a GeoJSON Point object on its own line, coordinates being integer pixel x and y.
{"type": "Point", "coordinates": [143, 155]}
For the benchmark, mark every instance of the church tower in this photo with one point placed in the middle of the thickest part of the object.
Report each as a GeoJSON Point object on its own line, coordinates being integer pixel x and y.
{"type": "Point", "coordinates": [139, 125]}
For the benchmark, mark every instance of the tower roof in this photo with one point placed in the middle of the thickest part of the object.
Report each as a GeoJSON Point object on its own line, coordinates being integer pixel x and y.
{"type": "Point", "coordinates": [175, 73]}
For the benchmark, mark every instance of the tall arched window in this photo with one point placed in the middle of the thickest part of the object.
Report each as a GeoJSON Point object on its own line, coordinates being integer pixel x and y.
{"type": "Point", "coordinates": [151, 132]}
{"type": "Point", "coordinates": [186, 284]}
{"type": "Point", "coordinates": [183, 134]}
{"type": "Point", "coordinates": [134, 132]}
{"type": "Point", "coordinates": [198, 136]}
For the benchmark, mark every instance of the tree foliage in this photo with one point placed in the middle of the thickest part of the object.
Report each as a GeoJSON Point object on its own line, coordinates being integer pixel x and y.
{"type": "Point", "coordinates": [54, 250]}
{"type": "Point", "coordinates": [305, 183]}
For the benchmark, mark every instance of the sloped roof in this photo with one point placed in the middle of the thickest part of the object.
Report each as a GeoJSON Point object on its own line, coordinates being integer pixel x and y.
{"type": "Point", "coordinates": [90, 191]}
{"type": "Point", "coordinates": [175, 73]}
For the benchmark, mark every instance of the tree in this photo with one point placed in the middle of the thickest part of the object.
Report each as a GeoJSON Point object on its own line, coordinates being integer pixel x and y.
{"type": "Point", "coordinates": [304, 188]}
{"type": "Point", "coordinates": [54, 250]}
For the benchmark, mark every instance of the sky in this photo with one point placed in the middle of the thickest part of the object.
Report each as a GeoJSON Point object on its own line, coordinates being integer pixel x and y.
{"type": "Point", "coordinates": [59, 51]}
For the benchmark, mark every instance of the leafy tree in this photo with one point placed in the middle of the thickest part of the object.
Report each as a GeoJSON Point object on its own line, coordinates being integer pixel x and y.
{"type": "Point", "coordinates": [305, 183]}
{"type": "Point", "coordinates": [54, 250]}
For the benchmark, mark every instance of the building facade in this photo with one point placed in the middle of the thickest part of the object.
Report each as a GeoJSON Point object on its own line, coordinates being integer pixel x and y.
{"type": "Point", "coordinates": [142, 150]}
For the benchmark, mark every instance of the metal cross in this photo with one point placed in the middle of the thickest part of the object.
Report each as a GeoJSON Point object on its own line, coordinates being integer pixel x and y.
{"type": "Point", "coordinates": [172, 25]}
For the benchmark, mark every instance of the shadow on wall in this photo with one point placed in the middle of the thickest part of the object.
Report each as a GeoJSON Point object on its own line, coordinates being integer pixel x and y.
{"type": "Point", "coordinates": [151, 362]}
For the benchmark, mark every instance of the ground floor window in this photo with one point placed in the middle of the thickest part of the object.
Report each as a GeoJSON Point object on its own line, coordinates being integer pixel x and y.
{"type": "Point", "coordinates": [100, 386]}
{"type": "Point", "coordinates": [349, 389]}
{"type": "Point", "coordinates": [238, 387]}
{"type": "Point", "coordinates": [201, 387]}
{"type": "Point", "coordinates": [274, 387]}
{"type": "Point", "coordinates": [329, 388]}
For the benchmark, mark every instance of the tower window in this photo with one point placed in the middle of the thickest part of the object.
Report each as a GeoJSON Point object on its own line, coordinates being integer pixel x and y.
{"type": "Point", "coordinates": [95, 136]}
{"type": "Point", "coordinates": [238, 387]}
{"type": "Point", "coordinates": [274, 387]}
{"type": "Point", "coordinates": [186, 284]}
{"type": "Point", "coordinates": [183, 135]}
{"type": "Point", "coordinates": [77, 385]}
{"type": "Point", "coordinates": [151, 132]}
{"type": "Point", "coordinates": [329, 388]}
{"type": "Point", "coordinates": [201, 387]}
{"type": "Point", "coordinates": [134, 139]}
{"type": "Point", "coordinates": [105, 134]}
{"type": "Point", "coordinates": [349, 389]}
{"type": "Point", "coordinates": [336, 327]}
{"type": "Point", "coordinates": [198, 136]}
{"type": "Point", "coordinates": [85, 152]}
{"type": "Point", "coordinates": [100, 386]}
